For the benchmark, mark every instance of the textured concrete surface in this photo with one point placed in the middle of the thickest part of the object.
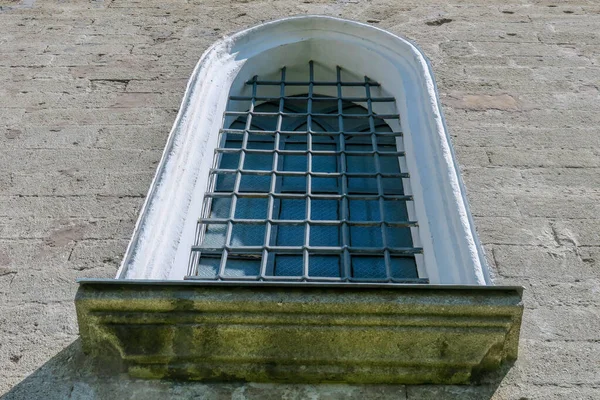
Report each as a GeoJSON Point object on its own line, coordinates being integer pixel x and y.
{"type": "Point", "coordinates": [89, 90]}
{"type": "Point", "coordinates": [192, 331]}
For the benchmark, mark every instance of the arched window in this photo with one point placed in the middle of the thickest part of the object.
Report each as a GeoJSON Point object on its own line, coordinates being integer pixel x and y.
{"type": "Point", "coordinates": [308, 187]}
{"type": "Point", "coordinates": [304, 214]}
{"type": "Point", "coordinates": [358, 82]}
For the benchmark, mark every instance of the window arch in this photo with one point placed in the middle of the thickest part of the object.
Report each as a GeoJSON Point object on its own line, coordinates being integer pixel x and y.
{"type": "Point", "coordinates": [164, 235]}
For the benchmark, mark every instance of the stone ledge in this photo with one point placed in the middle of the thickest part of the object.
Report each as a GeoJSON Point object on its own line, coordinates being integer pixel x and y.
{"type": "Point", "coordinates": [292, 333]}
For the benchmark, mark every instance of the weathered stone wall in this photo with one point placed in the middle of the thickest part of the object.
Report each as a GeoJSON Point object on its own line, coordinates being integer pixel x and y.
{"type": "Point", "coordinates": [88, 93]}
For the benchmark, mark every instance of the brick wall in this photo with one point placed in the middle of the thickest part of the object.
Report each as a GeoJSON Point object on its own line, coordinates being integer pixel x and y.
{"type": "Point", "coordinates": [90, 89]}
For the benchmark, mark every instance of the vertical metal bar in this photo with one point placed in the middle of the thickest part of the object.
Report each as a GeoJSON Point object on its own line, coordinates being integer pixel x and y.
{"type": "Point", "coordinates": [309, 104]}
{"type": "Point", "coordinates": [386, 252]}
{"type": "Point", "coordinates": [272, 187]}
{"type": "Point", "coordinates": [238, 178]}
{"type": "Point", "coordinates": [346, 262]}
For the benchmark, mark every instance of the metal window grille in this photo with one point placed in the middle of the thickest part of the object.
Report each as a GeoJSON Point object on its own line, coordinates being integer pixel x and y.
{"type": "Point", "coordinates": [307, 188]}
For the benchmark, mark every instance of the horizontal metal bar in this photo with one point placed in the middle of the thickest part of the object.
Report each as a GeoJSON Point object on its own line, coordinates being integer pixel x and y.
{"type": "Point", "coordinates": [310, 280]}
{"type": "Point", "coordinates": [337, 222]}
{"type": "Point", "coordinates": [299, 133]}
{"type": "Point", "coordinates": [318, 249]}
{"type": "Point", "coordinates": [319, 115]}
{"type": "Point", "coordinates": [314, 98]}
{"type": "Point", "coordinates": [263, 195]}
{"type": "Point", "coordinates": [304, 83]}
{"type": "Point", "coordinates": [313, 174]}
{"type": "Point", "coordinates": [234, 150]}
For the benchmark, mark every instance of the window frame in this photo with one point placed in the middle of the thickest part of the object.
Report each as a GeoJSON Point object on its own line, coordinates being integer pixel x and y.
{"type": "Point", "coordinates": [456, 256]}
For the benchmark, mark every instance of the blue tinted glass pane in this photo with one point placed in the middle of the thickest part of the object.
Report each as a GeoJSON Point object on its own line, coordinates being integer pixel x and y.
{"type": "Point", "coordinates": [265, 123]}
{"type": "Point", "coordinates": [296, 163]}
{"type": "Point", "coordinates": [368, 267]}
{"type": "Point", "coordinates": [233, 141]}
{"type": "Point", "coordinates": [220, 207]}
{"type": "Point", "coordinates": [359, 144]}
{"type": "Point", "coordinates": [325, 185]}
{"type": "Point", "coordinates": [326, 163]}
{"type": "Point", "coordinates": [214, 236]}
{"type": "Point", "coordinates": [325, 124]}
{"type": "Point", "coordinates": [399, 237]}
{"type": "Point", "coordinates": [247, 235]}
{"type": "Point", "coordinates": [293, 184]}
{"type": "Point", "coordinates": [324, 235]}
{"type": "Point", "coordinates": [325, 210]}
{"type": "Point", "coordinates": [293, 123]}
{"type": "Point", "coordinates": [324, 266]}
{"type": "Point", "coordinates": [260, 142]}
{"type": "Point", "coordinates": [395, 210]}
{"type": "Point", "coordinates": [404, 267]}
{"type": "Point", "coordinates": [389, 164]}
{"type": "Point", "coordinates": [364, 210]}
{"type": "Point", "coordinates": [229, 161]}
{"type": "Point", "coordinates": [296, 142]}
{"type": "Point", "coordinates": [208, 267]}
{"type": "Point", "coordinates": [362, 185]}
{"type": "Point", "coordinates": [292, 209]}
{"type": "Point", "coordinates": [258, 162]}
{"type": "Point", "coordinates": [251, 208]}
{"type": "Point", "coordinates": [288, 235]}
{"type": "Point", "coordinates": [363, 164]}
{"type": "Point", "coordinates": [242, 266]}
{"type": "Point", "coordinates": [365, 236]}
{"type": "Point", "coordinates": [392, 186]}
{"type": "Point", "coordinates": [255, 183]}
{"type": "Point", "coordinates": [225, 182]}
{"type": "Point", "coordinates": [288, 265]}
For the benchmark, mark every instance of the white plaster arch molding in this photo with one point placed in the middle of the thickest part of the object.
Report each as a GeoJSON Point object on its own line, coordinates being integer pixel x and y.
{"type": "Point", "coordinates": [164, 234]}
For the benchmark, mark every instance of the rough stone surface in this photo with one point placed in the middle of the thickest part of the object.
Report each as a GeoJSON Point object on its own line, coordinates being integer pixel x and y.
{"type": "Point", "coordinates": [190, 331]}
{"type": "Point", "coordinates": [89, 90]}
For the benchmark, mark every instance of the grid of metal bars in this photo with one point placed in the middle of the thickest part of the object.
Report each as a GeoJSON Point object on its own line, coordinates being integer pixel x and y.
{"type": "Point", "coordinates": [306, 193]}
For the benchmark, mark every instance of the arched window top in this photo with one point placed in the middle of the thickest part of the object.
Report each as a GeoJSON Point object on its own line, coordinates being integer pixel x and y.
{"type": "Point", "coordinates": [164, 234]}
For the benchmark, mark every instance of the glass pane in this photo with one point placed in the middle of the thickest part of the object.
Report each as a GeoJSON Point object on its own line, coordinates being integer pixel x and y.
{"type": "Point", "coordinates": [209, 266]}
{"type": "Point", "coordinates": [287, 235]}
{"type": "Point", "coordinates": [220, 207]}
{"type": "Point", "coordinates": [247, 235]}
{"type": "Point", "coordinates": [404, 267]}
{"type": "Point", "coordinates": [324, 266]}
{"type": "Point", "coordinates": [362, 185]}
{"type": "Point", "coordinates": [368, 267]}
{"type": "Point", "coordinates": [215, 236]}
{"type": "Point", "coordinates": [251, 208]}
{"type": "Point", "coordinates": [224, 182]}
{"type": "Point", "coordinates": [255, 183]}
{"type": "Point", "coordinates": [399, 237]}
{"type": "Point", "coordinates": [363, 164]}
{"type": "Point", "coordinates": [289, 265]}
{"type": "Point", "coordinates": [325, 210]}
{"type": "Point", "coordinates": [292, 209]}
{"type": "Point", "coordinates": [389, 164]}
{"type": "Point", "coordinates": [395, 210]}
{"type": "Point", "coordinates": [324, 235]}
{"type": "Point", "coordinates": [229, 160]}
{"type": "Point", "coordinates": [365, 236]}
{"type": "Point", "coordinates": [242, 265]}
{"type": "Point", "coordinates": [258, 162]}
{"type": "Point", "coordinates": [364, 210]}
{"type": "Point", "coordinates": [392, 185]}
{"type": "Point", "coordinates": [296, 163]}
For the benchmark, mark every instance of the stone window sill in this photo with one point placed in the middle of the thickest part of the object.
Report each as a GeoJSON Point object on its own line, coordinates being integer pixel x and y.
{"type": "Point", "coordinates": [299, 333]}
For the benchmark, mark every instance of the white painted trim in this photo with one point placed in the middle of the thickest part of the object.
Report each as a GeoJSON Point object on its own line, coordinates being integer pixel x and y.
{"type": "Point", "coordinates": [160, 246]}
